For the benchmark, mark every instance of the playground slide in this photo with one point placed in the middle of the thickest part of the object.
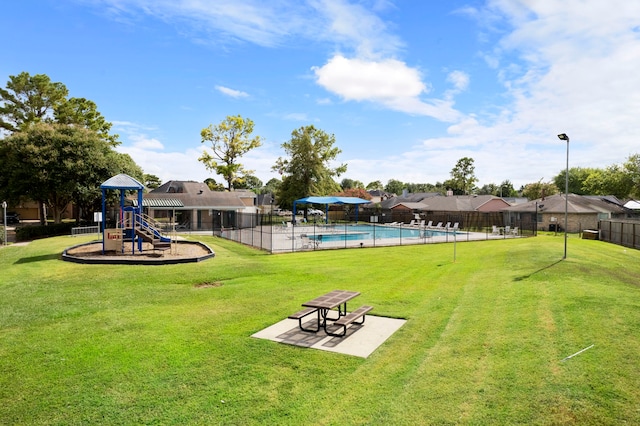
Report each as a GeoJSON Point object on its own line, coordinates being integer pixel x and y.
{"type": "Point", "coordinates": [156, 233]}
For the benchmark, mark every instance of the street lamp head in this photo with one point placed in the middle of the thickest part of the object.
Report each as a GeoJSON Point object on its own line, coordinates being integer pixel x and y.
{"type": "Point", "coordinates": [563, 136]}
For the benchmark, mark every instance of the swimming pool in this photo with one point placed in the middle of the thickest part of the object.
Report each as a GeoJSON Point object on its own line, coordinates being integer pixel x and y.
{"type": "Point", "coordinates": [369, 232]}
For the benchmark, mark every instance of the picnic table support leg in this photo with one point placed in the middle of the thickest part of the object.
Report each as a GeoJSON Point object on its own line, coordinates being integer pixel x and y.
{"type": "Point", "coordinates": [309, 329]}
{"type": "Point", "coordinates": [300, 318]}
{"type": "Point", "coordinates": [352, 318]}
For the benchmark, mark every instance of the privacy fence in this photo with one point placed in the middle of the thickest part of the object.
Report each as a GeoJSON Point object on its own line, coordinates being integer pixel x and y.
{"type": "Point", "coordinates": [278, 234]}
{"type": "Point", "coordinates": [623, 232]}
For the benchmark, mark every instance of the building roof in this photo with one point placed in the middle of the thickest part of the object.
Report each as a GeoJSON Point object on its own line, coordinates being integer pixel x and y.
{"type": "Point", "coordinates": [576, 204]}
{"type": "Point", "coordinates": [407, 198]}
{"type": "Point", "coordinates": [196, 195]}
{"type": "Point", "coordinates": [439, 203]}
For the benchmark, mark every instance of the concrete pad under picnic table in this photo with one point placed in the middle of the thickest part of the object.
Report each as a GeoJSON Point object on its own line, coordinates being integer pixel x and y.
{"type": "Point", "coordinates": [360, 340]}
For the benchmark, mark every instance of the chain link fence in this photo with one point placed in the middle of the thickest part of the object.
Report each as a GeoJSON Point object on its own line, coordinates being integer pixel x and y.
{"type": "Point", "coordinates": [279, 234]}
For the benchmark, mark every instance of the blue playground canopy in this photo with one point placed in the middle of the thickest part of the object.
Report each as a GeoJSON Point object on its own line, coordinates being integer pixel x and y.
{"type": "Point", "coordinates": [330, 200]}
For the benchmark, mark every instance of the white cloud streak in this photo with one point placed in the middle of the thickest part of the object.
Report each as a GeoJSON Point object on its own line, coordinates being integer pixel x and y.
{"type": "Point", "coordinates": [231, 92]}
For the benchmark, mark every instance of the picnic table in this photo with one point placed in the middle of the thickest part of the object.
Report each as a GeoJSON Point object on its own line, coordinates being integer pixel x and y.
{"type": "Point", "coordinates": [324, 304]}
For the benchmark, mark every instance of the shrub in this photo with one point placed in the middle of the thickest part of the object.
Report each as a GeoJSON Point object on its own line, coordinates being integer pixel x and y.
{"type": "Point", "coordinates": [26, 233]}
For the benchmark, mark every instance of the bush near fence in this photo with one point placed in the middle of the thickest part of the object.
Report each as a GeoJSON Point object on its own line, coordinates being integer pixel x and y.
{"type": "Point", "coordinates": [27, 233]}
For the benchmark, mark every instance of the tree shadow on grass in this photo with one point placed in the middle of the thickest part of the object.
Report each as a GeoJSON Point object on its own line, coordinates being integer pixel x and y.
{"type": "Point", "coordinates": [524, 277]}
{"type": "Point", "coordinates": [37, 258]}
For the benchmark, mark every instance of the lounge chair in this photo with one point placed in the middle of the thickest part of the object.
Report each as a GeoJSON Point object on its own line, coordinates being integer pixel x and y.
{"type": "Point", "coordinates": [439, 225]}
{"type": "Point", "coordinates": [455, 226]}
{"type": "Point", "coordinates": [412, 223]}
{"type": "Point", "coordinates": [514, 231]}
{"type": "Point", "coordinates": [308, 243]}
{"type": "Point", "coordinates": [422, 224]}
{"type": "Point", "coordinates": [507, 230]}
{"type": "Point", "coordinates": [447, 226]}
{"type": "Point", "coordinates": [495, 230]}
{"type": "Point", "coordinates": [430, 224]}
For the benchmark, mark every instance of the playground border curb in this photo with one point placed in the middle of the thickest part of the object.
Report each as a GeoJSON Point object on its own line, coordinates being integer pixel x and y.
{"type": "Point", "coordinates": [115, 260]}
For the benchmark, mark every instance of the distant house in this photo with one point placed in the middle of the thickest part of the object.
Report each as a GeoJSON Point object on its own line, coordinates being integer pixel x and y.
{"type": "Point", "coordinates": [378, 195]}
{"type": "Point", "coordinates": [583, 212]}
{"type": "Point", "coordinates": [468, 210]}
{"type": "Point", "coordinates": [192, 205]}
{"type": "Point", "coordinates": [434, 202]}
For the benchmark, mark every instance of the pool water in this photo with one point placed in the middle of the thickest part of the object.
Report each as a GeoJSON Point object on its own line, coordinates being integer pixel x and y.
{"type": "Point", "coordinates": [369, 232]}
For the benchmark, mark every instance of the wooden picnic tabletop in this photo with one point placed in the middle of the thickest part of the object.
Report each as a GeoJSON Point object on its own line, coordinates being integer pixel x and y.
{"type": "Point", "coordinates": [332, 299]}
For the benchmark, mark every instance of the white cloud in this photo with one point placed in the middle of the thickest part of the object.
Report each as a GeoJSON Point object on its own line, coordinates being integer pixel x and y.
{"type": "Point", "coordinates": [231, 92]}
{"type": "Point", "coordinates": [388, 82]}
{"type": "Point", "coordinates": [357, 79]}
{"type": "Point", "coordinates": [459, 79]}
{"type": "Point", "coordinates": [357, 28]}
{"type": "Point", "coordinates": [142, 142]}
{"type": "Point", "coordinates": [268, 24]}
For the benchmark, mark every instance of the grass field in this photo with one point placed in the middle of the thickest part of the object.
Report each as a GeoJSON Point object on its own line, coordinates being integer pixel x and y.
{"type": "Point", "coordinates": [484, 341]}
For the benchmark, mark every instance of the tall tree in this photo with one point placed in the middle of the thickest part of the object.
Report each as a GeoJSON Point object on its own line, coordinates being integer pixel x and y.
{"type": "Point", "coordinates": [151, 181]}
{"type": "Point", "coordinates": [29, 99]}
{"type": "Point", "coordinates": [307, 169]}
{"type": "Point", "coordinates": [249, 182]}
{"type": "Point", "coordinates": [81, 111]}
{"type": "Point", "coordinates": [632, 169]}
{"type": "Point", "coordinates": [271, 187]}
{"type": "Point", "coordinates": [213, 185]}
{"type": "Point", "coordinates": [506, 189]}
{"type": "Point", "coordinates": [577, 177]}
{"type": "Point", "coordinates": [230, 140]}
{"type": "Point", "coordinates": [614, 180]}
{"type": "Point", "coordinates": [539, 189]}
{"type": "Point", "coordinates": [347, 183]}
{"type": "Point", "coordinates": [54, 164]}
{"type": "Point", "coordinates": [489, 189]}
{"type": "Point", "coordinates": [376, 184]}
{"type": "Point", "coordinates": [394, 186]}
{"type": "Point", "coordinates": [463, 176]}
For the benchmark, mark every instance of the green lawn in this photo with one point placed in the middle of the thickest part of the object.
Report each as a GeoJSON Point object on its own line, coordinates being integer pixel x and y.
{"type": "Point", "coordinates": [483, 344]}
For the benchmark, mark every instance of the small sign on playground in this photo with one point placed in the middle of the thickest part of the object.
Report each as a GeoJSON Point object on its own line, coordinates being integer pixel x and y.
{"type": "Point", "coordinates": [113, 239]}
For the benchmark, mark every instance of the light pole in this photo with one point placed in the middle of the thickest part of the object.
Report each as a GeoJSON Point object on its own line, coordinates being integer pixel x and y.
{"type": "Point", "coordinates": [564, 137]}
{"type": "Point", "coordinates": [4, 208]}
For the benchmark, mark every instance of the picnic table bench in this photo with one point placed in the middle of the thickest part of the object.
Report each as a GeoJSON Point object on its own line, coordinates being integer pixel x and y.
{"type": "Point", "coordinates": [322, 305]}
{"type": "Point", "coordinates": [303, 313]}
{"type": "Point", "coordinates": [350, 319]}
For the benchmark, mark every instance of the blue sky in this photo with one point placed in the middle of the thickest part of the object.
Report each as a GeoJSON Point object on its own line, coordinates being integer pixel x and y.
{"type": "Point", "coordinates": [407, 87]}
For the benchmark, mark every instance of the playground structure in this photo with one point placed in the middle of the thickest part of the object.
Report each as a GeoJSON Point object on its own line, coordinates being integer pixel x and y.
{"type": "Point", "coordinates": [132, 225]}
